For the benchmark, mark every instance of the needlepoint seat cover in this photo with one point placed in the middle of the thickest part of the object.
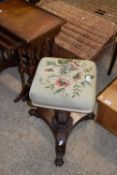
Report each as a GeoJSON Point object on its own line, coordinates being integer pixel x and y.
{"type": "Point", "coordinates": [64, 84]}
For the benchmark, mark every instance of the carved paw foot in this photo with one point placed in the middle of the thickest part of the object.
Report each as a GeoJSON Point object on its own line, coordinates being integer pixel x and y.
{"type": "Point", "coordinates": [32, 112]}
{"type": "Point", "coordinates": [59, 161]}
{"type": "Point", "coordinates": [90, 116]}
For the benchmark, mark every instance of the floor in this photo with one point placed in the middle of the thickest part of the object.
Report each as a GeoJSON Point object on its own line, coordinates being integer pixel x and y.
{"type": "Point", "coordinates": [27, 145]}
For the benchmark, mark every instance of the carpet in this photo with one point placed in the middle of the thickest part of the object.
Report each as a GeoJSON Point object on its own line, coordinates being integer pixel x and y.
{"type": "Point", "coordinates": [27, 144]}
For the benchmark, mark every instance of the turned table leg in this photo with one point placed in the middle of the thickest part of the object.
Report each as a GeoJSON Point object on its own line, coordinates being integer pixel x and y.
{"type": "Point", "coordinates": [30, 64]}
{"type": "Point", "coordinates": [113, 60]}
{"type": "Point", "coordinates": [8, 59]}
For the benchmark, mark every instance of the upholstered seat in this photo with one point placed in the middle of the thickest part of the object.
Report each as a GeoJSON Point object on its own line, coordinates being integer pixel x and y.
{"type": "Point", "coordinates": [64, 85]}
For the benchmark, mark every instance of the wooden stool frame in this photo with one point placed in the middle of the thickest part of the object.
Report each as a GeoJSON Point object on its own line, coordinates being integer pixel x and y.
{"type": "Point", "coordinates": [61, 125]}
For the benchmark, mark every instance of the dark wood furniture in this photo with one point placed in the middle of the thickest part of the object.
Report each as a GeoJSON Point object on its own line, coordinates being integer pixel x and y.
{"type": "Point", "coordinates": [57, 90]}
{"type": "Point", "coordinates": [9, 44]}
{"type": "Point", "coordinates": [114, 57]}
{"type": "Point", "coordinates": [27, 21]}
{"type": "Point", "coordinates": [33, 1]}
{"type": "Point", "coordinates": [107, 109]}
{"type": "Point", "coordinates": [2, 1]}
{"type": "Point", "coordinates": [61, 124]}
{"type": "Point", "coordinates": [33, 26]}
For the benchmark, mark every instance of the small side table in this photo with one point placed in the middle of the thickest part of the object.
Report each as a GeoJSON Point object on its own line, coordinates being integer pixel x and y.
{"type": "Point", "coordinates": [107, 109]}
{"type": "Point", "coordinates": [33, 26]}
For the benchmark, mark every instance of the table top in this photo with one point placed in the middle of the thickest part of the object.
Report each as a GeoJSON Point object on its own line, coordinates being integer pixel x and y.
{"type": "Point", "coordinates": [109, 96]}
{"type": "Point", "coordinates": [26, 21]}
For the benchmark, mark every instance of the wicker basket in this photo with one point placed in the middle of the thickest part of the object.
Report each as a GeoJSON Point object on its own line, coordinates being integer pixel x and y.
{"type": "Point", "coordinates": [84, 34]}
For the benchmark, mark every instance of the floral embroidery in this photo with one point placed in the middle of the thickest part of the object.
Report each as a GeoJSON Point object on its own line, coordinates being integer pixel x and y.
{"type": "Point", "coordinates": [62, 82]}
{"type": "Point", "coordinates": [67, 77]}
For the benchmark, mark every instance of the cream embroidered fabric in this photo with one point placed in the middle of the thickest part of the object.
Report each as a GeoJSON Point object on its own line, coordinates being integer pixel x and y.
{"type": "Point", "coordinates": [65, 84]}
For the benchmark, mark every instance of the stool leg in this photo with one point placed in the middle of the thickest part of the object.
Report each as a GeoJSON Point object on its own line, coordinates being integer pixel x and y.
{"type": "Point", "coordinates": [34, 112]}
{"type": "Point", "coordinates": [62, 124]}
{"type": "Point", "coordinates": [89, 116]}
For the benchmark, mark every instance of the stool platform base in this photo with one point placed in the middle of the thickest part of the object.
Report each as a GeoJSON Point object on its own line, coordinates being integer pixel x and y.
{"type": "Point", "coordinates": [61, 124]}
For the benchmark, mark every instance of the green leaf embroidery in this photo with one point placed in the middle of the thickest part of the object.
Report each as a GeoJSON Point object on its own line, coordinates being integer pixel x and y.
{"type": "Point", "coordinates": [59, 90]}
{"type": "Point", "coordinates": [51, 86]}
{"type": "Point", "coordinates": [75, 94]}
{"type": "Point", "coordinates": [63, 61]}
{"type": "Point", "coordinates": [77, 76]}
{"type": "Point", "coordinates": [87, 70]}
{"type": "Point", "coordinates": [51, 63]}
{"type": "Point", "coordinates": [51, 76]}
{"type": "Point", "coordinates": [63, 70]}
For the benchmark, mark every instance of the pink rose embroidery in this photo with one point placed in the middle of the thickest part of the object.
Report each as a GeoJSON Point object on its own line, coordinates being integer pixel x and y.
{"type": "Point", "coordinates": [62, 82]}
